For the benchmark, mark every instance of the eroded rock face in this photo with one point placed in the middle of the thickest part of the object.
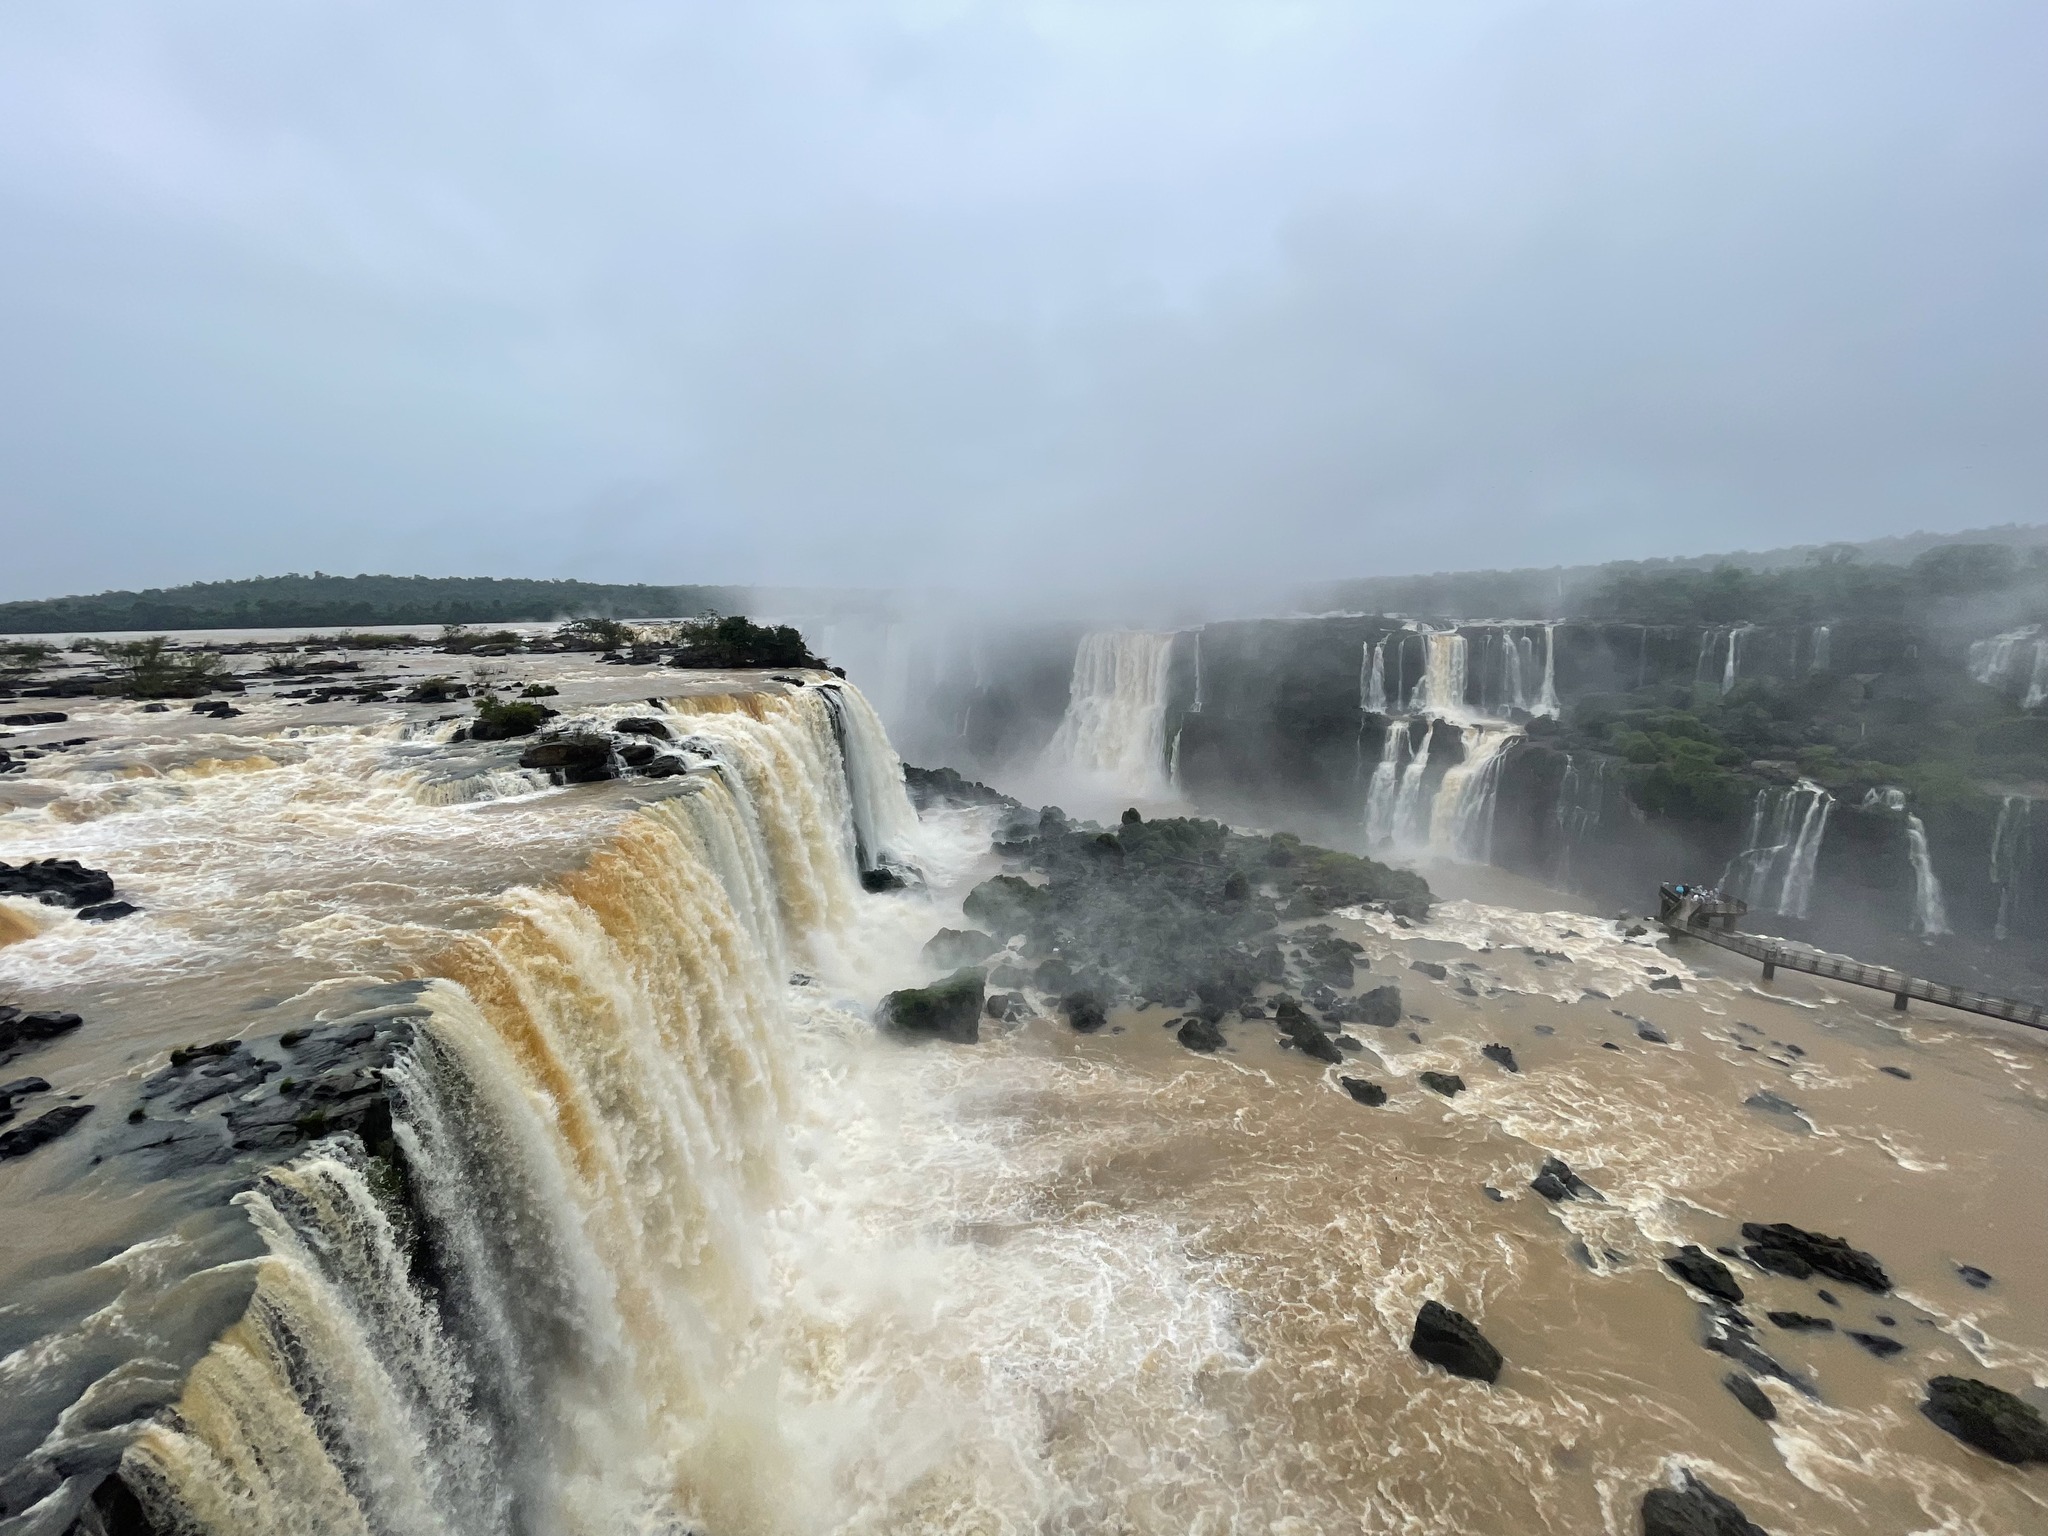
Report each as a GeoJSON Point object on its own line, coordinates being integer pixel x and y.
{"type": "Point", "coordinates": [20, 1140]}
{"type": "Point", "coordinates": [945, 1010]}
{"type": "Point", "coordinates": [1453, 1341]}
{"type": "Point", "coordinates": [1694, 1510]}
{"type": "Point", "coordinates": [1987, 1417]}
{"type": "Point", "coordinates": [576, 759]}
{"type": "Point", "coordinates": [1200, 1035]}
{"type": "Point", "coordinates": [1788, 1250]}
{"type": "Point", "coordinates": [954, 947]}
{"type": "Point", "coordinates": [19, 1030]}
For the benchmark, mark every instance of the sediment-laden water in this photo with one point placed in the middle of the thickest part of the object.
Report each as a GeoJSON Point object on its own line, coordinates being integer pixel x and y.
{"type": "Point", "coordinates": [663, 1237]}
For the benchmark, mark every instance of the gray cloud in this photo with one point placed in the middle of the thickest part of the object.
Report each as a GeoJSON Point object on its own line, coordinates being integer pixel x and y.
{"type": "Point", "coordinates": [873, 293]}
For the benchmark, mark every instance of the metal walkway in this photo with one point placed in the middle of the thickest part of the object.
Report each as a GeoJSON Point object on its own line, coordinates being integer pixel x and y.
{"type": "Point", "coordinates": [1686, 915]}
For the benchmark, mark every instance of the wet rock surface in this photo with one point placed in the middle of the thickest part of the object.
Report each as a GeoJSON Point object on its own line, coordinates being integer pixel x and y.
{"type": "Point", "coordinates": [1987, 1417]}
{"type": "Point", "coordinates": [1366, 1092]}
{"type": "Point", "coordinates": [57, 882]}
{"type": "Point", "coordinates": [946, 1010]}
{"type": "Point", "coordinates": [1200, 1035]}
{"type": "Point", "coordinates": [1704, 1273]}
{"type": "Point", "coordinates": [1449, 1084]}
{"type": "Point", "coordinates": [1694, 1509]}
{"type": "Point", "coordinates": [1501, 1056]}
{"type": "Point", "coordinates": [20, 1030]}
{"type": "Point", "coordinates": [1555, 1180]}
{"type": "Point", "coordinates": [951, 948]}
{"type": "Point", "coordinates": [1451, 1340]}
{"type": "Point", "coordinates": [1753, 1397]}
{"type": "Point", "coordinates": [29, 1136]}
{"type": "Point", "coordinates": [573, 759]}
{"type": "Point", "coordinates": [1788, 1250]}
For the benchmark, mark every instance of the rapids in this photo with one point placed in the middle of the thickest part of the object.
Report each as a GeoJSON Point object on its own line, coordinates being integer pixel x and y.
{"type": "Point", "coordinates": [674, 1242]}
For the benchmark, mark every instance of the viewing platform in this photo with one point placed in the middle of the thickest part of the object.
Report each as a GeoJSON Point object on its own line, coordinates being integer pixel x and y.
{"type": "Point", "coordinates": [1697, 912]}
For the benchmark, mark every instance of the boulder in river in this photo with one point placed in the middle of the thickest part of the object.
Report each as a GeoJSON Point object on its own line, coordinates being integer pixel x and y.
{"type": "Point", "coordinates": [946, 1010]}
{"type": "Point", "coordinates": [572, 759]}
{"type": "Point", "coordinates": [41, 1131]}
{"type": "Point", "coordinates": [1753, 1397]}
{"type": "Point", "coordinates": [953, 947]}
{"type": "Point", "coordinates": [643, 725]}
{"type": "Point", "coordinates": [108, 912]}
{"type": "Point", "coordinates": [1694, 1510]}
{"type": "Point", "coordinates": [1501, 1056]}
{"type": "Point", "coordinates": [1310, 1039]}
{"type": "Point", "coordinates": [1556, 1181]}
{"type": "Point", "coordinates": [1084, 1010]}
{"type": "Point", "coordinates": [1704, 1273]}
{"type": "Point", "coordinates": [18, 1028]}
{"type": "Point", "coordinates": [1199, 1034]}
{"type": "Point", "coordinates": [1429, 968]}
{"type": "Point", "coordinates": [1381, 1008]}
{"type": "Point", "coordinates": [1987, 1417]}
{"type": "Point", "coordinates": [1801, 1322]}
{"type": "Point", "coordinates": [57, 882]}
{"type": "Point", "coordinates": [1453, 1341]}
{"type": "Point", "coordinates": [1368, 1093]}
{"type": "Point", "coordinates": [1788, 1250]}
{"type": "Point", "coordinates": [1449, 1084]}
{"type": "Point", "coordinates": [1880, 1346]}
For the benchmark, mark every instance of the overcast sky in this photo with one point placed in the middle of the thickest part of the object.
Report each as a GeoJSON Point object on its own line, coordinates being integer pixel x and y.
{"type": "Point", "coordinates": [870, 293]}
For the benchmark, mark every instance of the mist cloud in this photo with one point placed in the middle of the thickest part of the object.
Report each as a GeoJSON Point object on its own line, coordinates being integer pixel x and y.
{"type": "Point", "coordinates": [982, 295]}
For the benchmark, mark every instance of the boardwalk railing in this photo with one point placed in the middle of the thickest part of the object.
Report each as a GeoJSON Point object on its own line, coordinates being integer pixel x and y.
{"type": "Point", "coordinates": [1679, 917]}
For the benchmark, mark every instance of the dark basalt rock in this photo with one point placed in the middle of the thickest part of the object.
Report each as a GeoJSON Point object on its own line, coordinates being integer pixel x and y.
{"type": "Point", "coordinates": [35, 717]}
{"type": "Point", "coordinates": [1651, 1033]}
{"type": "Point", "coordinates": [1987, 1417]}
{"type": "Point", "coordinates": [1556, 1181]}
{"type": "Point", "coordinates": [57, 882]}
{"type": "Point", "coordinates": [1801, 1322]}
{"type": "Point", "coordinates": [643, 725]}
{"type": "Point", "coordinates": [18, 1029]}
{"type": "Point", "coordinates": [637, 754]}
{"type": "Point", "coordinates": [1310, 1040]}
{"type": "Point", "coordinates": [666, 766]}
{"type": "Point", "coordinates": [1370, 1094]}
{"type": "Point", "coordinates": [1694, 1510]}
{"type": "Point", "coordinates": [888, 877]}
{"type": "Point", "coordinates": [1790, 1250]}
{"type": "Point", "coordinates": [1429, 968]}
{"type": "Point", "coordinates": [1727, 1332]}
{"type": "Point", "coordinates": [1381, 1008]}
{"type": "Point", "coordinates": [1084, 1010]}
{"type": "Point", "coordinates": [108, 912]}
{"type": "Point", "coordinates": [1976, 1279]}
{"type": "Point", "coordinates": [1449, 1084]}
{"type": "Point", "coordinates": [1877, 1344]}
{"type": "Point", "coordinates": [1667, 984]}
{"type": "Point", "coordinates": [953, 947]}
{"type": "Point", "coordinates": [1753, 1397]}
{"type": "Point", "coordinates": [932, 787]}
{"type": "Point", "coordinates": [572, 759]}
{"type": "Point", "coordinates": [1501, 1056]}
{"type": "Point", "coordinates": [1453, 1341]}
{"type": "Point", "coordinates": [41, 1131]}
{"type": "Point", "coordinates": [945, 1010]}
{"type": "Point", "coordinates": [1199, 1035]}
{"type": "Point", "coordinates": [1007, 1007]}
{"type": "Point", "coordinates": [1703, 1272]}
{"type": "Point", "coordinates": [1899, 1072]}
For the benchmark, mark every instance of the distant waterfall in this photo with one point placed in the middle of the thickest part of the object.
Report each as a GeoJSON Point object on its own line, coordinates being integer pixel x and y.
{"type": "Point", "coordinates": [1115, 722]}
{"type": "Point", "coordinates": [1732, 665]}
{"type": "Point", "coordinates": [1821, 637]}
{"type": "Point", "coordinates": [1442, 692]}
{"type": "Point", "coordinates": [1411, 806]}
{"type": "Point", "coordinates": [1699, 666]}
{"type": "Point", "coordinates": [1775, 869]}
{"type": "Point", "coordinates": [1546, 701]}
{"type": "Point", "coordinates": [1382, 794]}
{"type": "Point", "coordinates": [1196, 707]}
{"type": "Point", "coordinates": [1515, 664]}
{"type": "Point", "coordinates": [1930, 911]}
{"type": "Point", "coordinates": [1372, 685]}
{"type": "Point", "coordinates": [595, 1122]}
{"type": "Point", "coordinates": [1461, 816]}
{"type": "Point", "coordinates": [1999, 661]}
{"type": "Point", "coordinates": [2012, 848]}
{"type": "Point", "coordinates": [1582, 797]}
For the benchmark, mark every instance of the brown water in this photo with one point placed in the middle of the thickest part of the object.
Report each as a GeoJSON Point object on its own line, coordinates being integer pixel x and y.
{"type": "Point", "coordinates": [1051, 1283]}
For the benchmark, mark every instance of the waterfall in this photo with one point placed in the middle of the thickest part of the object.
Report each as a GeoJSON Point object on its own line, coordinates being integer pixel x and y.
{"type": "Point", "coordinates": [2012, 847]}
{"type": "Point", "coordinates": [1930, 914]}
{"type": "Point", "coordinates": [1546, 701]}
{"type": "Point", "coordinates": [1196, 707]}
{"type": "Point", "coordinates": [1115, 723]}
{"type": "Point", "coordinates": [1442, 691]}
{"type": "Point", "coordinates": [2037, 679]}
{"type": "Point", "coordinates": [1699, 666]}
{"type": "Point", "coordinates": [1517, 664]}
{"type": "Point", "coordinates": [1821, 636]}
{"type": "Point", "coordinates": [1775, 869]}
{"type": "Point", "coordinates": [1994, 662]}
{"type": "Point", "coordinates": [1372, 695]}
{"type": "Point", "coordinates": [884, 825]}
{"type": "Point", "coordinates": [1461, 817]}
{"type": "Point", "coordinates": [1381, 795]}
{"type": "Point", "coordinates": [1411, 809]}
{"type": "Point", "coordinates": [1581, 804]}
{"type": "Point", "coordinates": [1730, 667]}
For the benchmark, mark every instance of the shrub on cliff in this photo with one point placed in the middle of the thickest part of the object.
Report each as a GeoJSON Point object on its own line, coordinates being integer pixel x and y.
{"type": "Point", "coordinates": [738, 643]}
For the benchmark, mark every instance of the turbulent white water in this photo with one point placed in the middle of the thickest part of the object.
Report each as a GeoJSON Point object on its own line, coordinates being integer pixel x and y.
{"type": "Point", "coordinates": [1383, 792]}
{"type": "Point", "coordinates": [1114, 728]}
{"type": "Point", "coordinates": [1546, 701]}
{"type": "Point", "coordinates": [1442, 691]}
{"type": "Point", "coordinates": [1372, 679]}
{"type": "Point", "coordinates": [1731, 667]}
{"type": "Point", "coordinates": [1461, 816]}
{"type": "Point", "coordinates": [1930, 912]}
{"type": "Point", "coordinates": [1775, 870]}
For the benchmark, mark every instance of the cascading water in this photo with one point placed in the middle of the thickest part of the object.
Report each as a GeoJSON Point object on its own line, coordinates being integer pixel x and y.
{"type": "Point", "coordinates": [1196, 707]}
{"type": "Point", "coordinates": [1515, 660]}
{"type": "Point", "coordinates": [1461, 816]}
{"type": "Point", "coordinates": [1383, 793]}
{"type": "Point", "coordinates": [1822, 634]}
{"type": "Point", "coordinates": [1546, 701]}
{"type": "Point", "coordinates": [1732, 666]}
{"type": "Point", "coordinates": [1115, 723]}
{"type": "Point", "coordinates": [1443, 686]}
{"type": "Point", "coordinates": [2012, 847]}
{"type": "Point", "coordinates": [1411, 802]}
{"type": "Point", "coordinates": [1372, 680]}
{"type": "Point", "coordinates": [1775, 869]}
{"type": "Point", "coordinates": [1930, 910]}
{"type": "Point", "coordinates": [1582, 800]}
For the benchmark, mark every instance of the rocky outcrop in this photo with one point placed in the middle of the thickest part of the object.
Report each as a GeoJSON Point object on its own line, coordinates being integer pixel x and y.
{"type": "Point", "coordinates": [580, 758]}
{"type": "Point", "coordinates": [1200, 1034]}
{"type": "Point", "coordinates": [1451, 1340]}
{"type": "Point", "coordinates": [951, 948]}
{"type": "Point", "coordinates": [1694, 1509]}
{"type": "Point", "coordinates": [57, 883]}
{"type": "Point", "coordinates": [1556, 1181]}
{"type": "Point", "coordinates": [945, 1010]}
{"type": "Point", "coordinates": [1987, 1417]}
{"type": "Point", "coordinates": [1788, 1250]}
{"type": "Point", "coordinates": [1501, 1056]}
{"type": "Point", "coordinates": [1308, 1038]}
{"type": "Point", "coordinates": [20, 1140]}
{"type": "Point", "coordinates": [1380, 1008]}
{"type": "Point", "coordinates": [1084, 1010]}
{"type": "Point", "coordinates": [1753, 1397]}
{"type": "Point", "coordinates": [1449, 1084]}
{"type": "Point", "coordinates": [1366, 1092]}
{"type": "Point", "coordinates": [1704, 1273]}
{"type": "Point", "coordinates": [20, 1029]}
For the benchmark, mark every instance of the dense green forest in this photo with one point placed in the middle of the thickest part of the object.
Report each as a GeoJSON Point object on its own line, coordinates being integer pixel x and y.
{"type": "Point", "coordinates": [294, 601]}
